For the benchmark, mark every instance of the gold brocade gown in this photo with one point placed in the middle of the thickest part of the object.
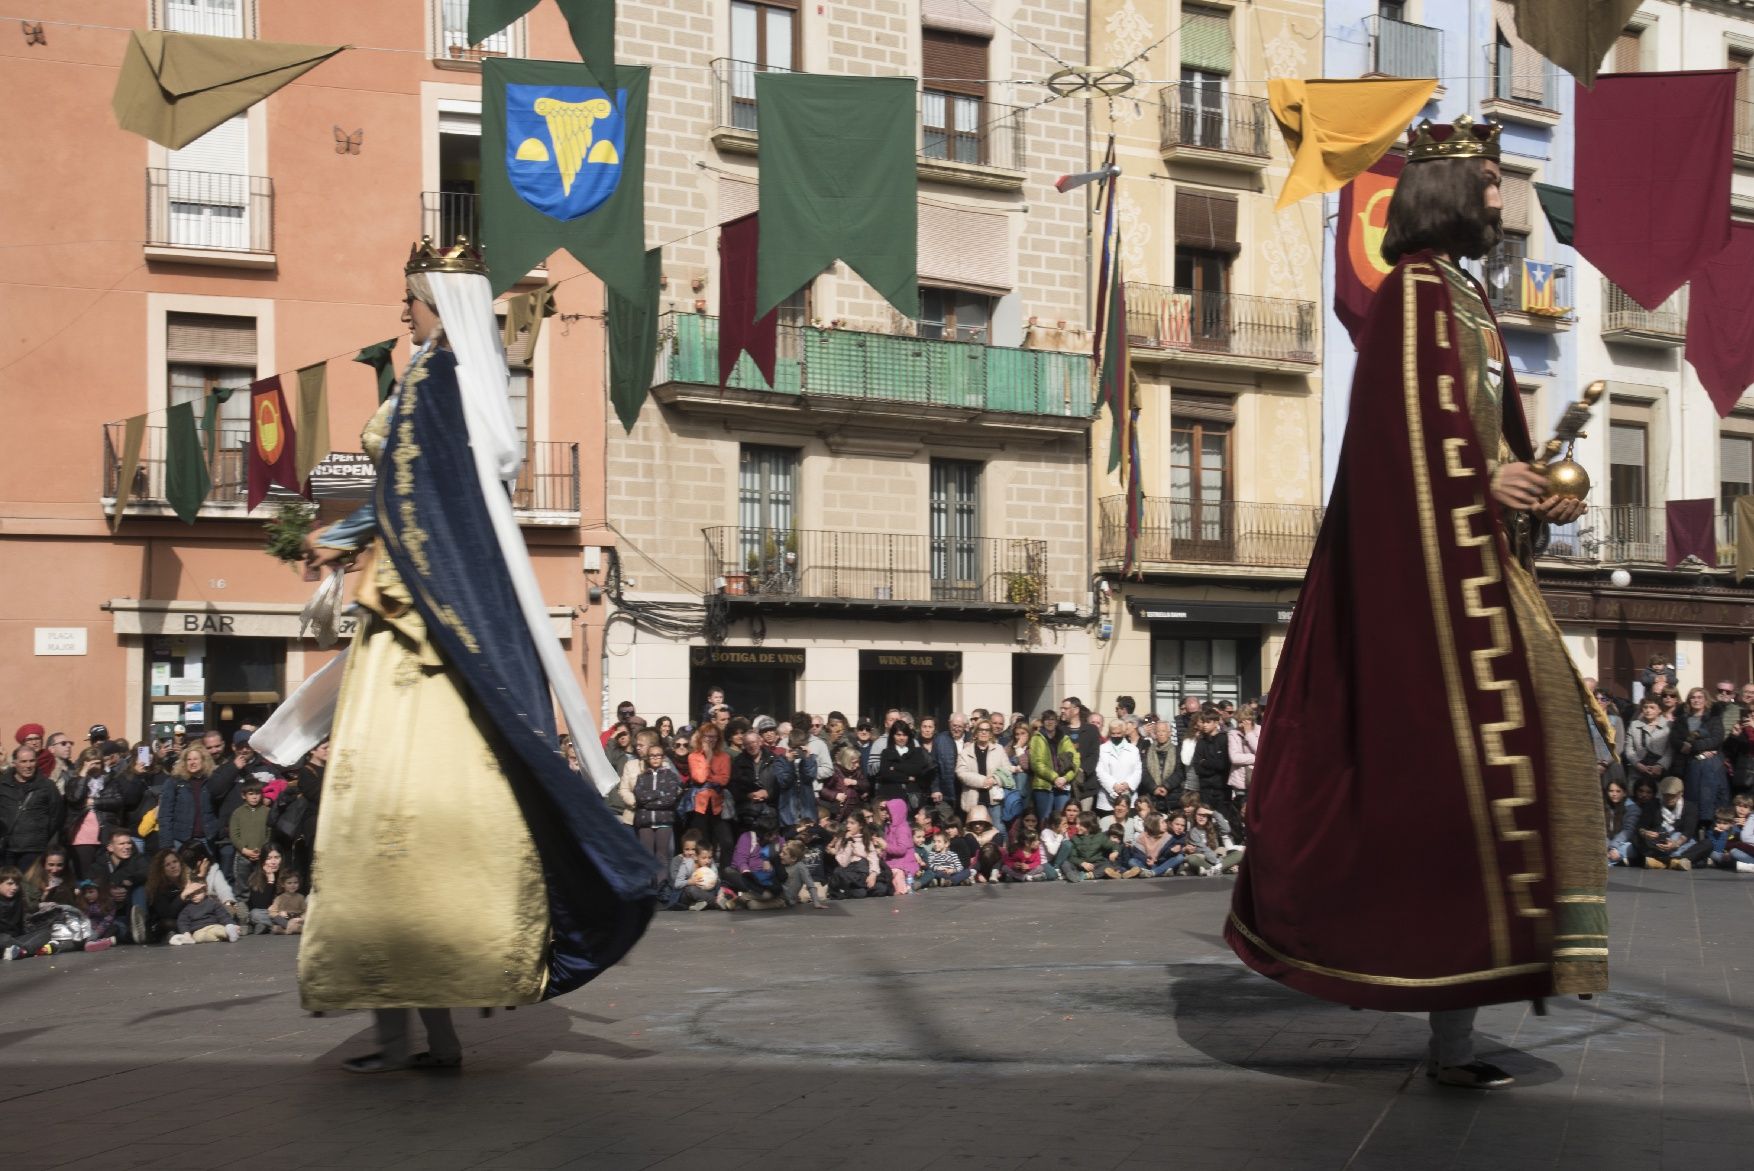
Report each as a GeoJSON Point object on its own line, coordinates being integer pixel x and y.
{"type": "Point", "coordinates": [428, 892]}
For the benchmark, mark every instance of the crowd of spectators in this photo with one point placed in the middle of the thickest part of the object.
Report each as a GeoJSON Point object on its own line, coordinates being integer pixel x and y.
{"type": "Point", "coordinates": [175, 840]}
{"type": "Point", "coordinates": [195, 839]}
{"type": "Point", "coordinates": [767, 813]}
{"type": "Point", "coordinates": [1678, 781]}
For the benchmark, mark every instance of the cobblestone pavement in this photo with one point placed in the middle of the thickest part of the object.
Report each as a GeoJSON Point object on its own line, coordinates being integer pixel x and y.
{"type": "Point", "coordinates": [1088, 1027]}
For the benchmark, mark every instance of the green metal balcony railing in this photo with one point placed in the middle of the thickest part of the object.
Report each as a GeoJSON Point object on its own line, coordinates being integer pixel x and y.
{"type": "Point", "coordinates": [844, 363]}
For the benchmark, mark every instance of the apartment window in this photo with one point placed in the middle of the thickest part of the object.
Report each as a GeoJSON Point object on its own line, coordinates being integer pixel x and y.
{"type": "Point", "coordinates": [207, 353]}
{"type": "Point", "coordinates": [453, 210]}
{"type": "Point", "coordinates": [955, 529]}
{"type": "Point", "coordinates": [953, 78]}
{"type": "Point", "coordinates": [764, 39]}
{"type": "Point", "coordinates": [1205, 245]}
{"type": "Point", "coordinates": [1628, 458]}
{"type": "Point", "coordinates": [954, 315]}
{"type": "Point", "coordinates": [1742, 61]}
{"type": "Point", "coordinates": [767, 507]}
{"type": "Point", "coordinates": [1735, 470]}
{"type": "Point", "coordinates": [1207, 669]}
{"type": "Point", "coordinates": [792, 315]}
{"type": "Point", "coordinates": [1206, 64]}
{"type": "Point", "coordinates": [451, 35]}
{"type": "Point", "coordinates": [1392, 10]}
{"type": "Point", "coordinates": [1629, 51]}
{"type": "Point", "coordinates": [520, 363]}
{"type": "Point", "coordinates": [212, 18]}
{"type": "Point", "coordinates": [1517, 191]}
{"type": "Point", "coordinates": [207, 186]}
{"type": "Point", "coordinates": [1199, 481]}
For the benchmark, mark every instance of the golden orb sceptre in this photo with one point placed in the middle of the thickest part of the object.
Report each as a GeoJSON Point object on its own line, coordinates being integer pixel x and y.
{"type": "Point", "coordinates": [1566, 477]}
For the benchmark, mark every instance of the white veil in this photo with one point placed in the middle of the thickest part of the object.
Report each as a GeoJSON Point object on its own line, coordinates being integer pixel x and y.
{"type": "Point", "coordinates": [465, 307]}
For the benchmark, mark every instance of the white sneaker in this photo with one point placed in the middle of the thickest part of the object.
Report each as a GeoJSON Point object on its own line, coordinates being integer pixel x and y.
{"type": "Point", "coordinates": [178, 940]}
{"type": "Point", "coordinates": [1745, 868]}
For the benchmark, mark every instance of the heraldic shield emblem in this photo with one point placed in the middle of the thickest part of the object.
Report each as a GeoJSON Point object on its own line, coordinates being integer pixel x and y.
{"type": "Point", "coordinates": [563, 146]}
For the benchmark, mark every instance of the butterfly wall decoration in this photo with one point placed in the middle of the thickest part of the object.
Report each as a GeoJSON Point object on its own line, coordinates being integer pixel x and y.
{"type": "Point", "coordinates": [33, 33]}
{"type": "Point", "coordinates": [348, 144]}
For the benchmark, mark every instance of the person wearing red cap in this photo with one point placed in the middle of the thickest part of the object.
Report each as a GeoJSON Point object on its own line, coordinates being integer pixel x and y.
{"type": "Point", "coordinates": [32, 736]}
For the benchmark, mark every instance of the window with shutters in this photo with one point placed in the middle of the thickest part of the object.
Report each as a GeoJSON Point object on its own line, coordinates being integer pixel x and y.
{"type": "Point", "coordinates": [1206, 61]}
{"type": "Point", "coordinates": [207, 188]}
{"type": "Point", "coordinates": [1205, 245]}
{"type": "Point", "coordinates": [955, 530]}
{"type": "Point", "coordinates": [767, 513]}
{"type": "Point", "coordinates": [955, 315]}
{"type": "Point", "coordinates": [450, 36]}
{"type": "Point", "coordinates": [1629, 51]}
{"type": "Point", "coordinates": [208, 355]}
{"type": "Point", "coordinates": [1742, 61]}
{"type": "Point", "coordinates": [1735, 472]}
{"type": "Point", "coordinates": [764, 39]}
{"type": "Point", "coordinates": [1199, 477]}
{"type": "Point", "coordinates": [953, 81]}
{"type": "Point", "coordinates": [209, 18]}
{"type": "Point", "coordinates": [1628, 452]}
{"type": "Point", "coordinates": [520, 364]}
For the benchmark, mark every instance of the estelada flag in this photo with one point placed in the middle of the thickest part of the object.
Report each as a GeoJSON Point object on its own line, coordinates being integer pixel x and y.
{"type": "Point", "coordinates": [1359, 268]}
{"type": "Point", "coordinates": [273, 443]}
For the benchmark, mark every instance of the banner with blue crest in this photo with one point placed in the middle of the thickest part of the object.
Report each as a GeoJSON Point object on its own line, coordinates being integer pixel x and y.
{"type": "Point", "coordinates": [563, 167]}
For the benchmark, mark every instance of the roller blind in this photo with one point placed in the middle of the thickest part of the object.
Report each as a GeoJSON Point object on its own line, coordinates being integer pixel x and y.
{"type": "Point", "coordinates": [953, 62]}
{"type": "Point", "coordinates": [210, 340]}
{"type": "Point", "coordinates": [224, 150]}
{"type": "Point", "coordinates": [1205, 36]}
{"type": "Point", "coordinates": [1735, 459]}
{"type": "Point", "coordinates": [965, 249]}
{"type": "Point", "coordinates": [1628, 51]}
{"type": "Point", "coordinates": [1518, 194]}
{"type": "Point", "coordinates": [1212, 408]}
{"type": "Point", "coordinates": [1626, 445]}
{"type": "Point", "coordinates": [1205, 221]}
{"type": "Point", "coordinates": [957, 16]}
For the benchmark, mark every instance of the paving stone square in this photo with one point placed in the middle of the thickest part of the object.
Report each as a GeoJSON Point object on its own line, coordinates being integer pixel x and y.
{"type": "Point", "coordinates": [1096, 1026]}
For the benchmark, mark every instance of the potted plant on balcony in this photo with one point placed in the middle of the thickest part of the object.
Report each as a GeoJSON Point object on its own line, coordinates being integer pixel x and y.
{"type": "Point", "coordinates": [1022, 589]}
{"type": "Point", "coordinates": [747, 582]}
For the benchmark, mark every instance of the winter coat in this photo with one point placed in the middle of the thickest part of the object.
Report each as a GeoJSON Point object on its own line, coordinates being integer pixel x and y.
{"type": "Point", "coordinates": [944, 753]}
{"type": "Point", "coordinates": [1243, 747]}
{"type": "Point", "coordinates": [971, 776]}
{"type": "Point", "coordinates": [898, 773]}
{"type": "Point", "coordinates": [711, 775]}
{"type": "Point", "coordinates": [853, 785]}
{"type": "Point", "coordinates": [31, 813]}
{"type": "Point", "coordinates": [176, 811]}
{"type": "Point", "coordinates": [1117, 765]}
{"type": "Point", "coordinates": [209, 912]}
{"type": "Point", "coordinates": [1050, 763]}
{"type": "Point", "coordinates": [1162, 767]}
{"type": "Point", "coordinates": [765, 771]}
{"type": "Point", "coordinates": [1210, 768]}
{"type": "Point", "coordinates": [1648, 744]}
{"type": "Point", "coordinates": [655, 793]}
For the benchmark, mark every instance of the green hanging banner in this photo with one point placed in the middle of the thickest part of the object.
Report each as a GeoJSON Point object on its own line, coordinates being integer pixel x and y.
{"type": "Point", "coordinates": [186, 482]}
{"type": "Point", "coordinates": [837, 182]}
{"type": "Point", "coordinates": [382, 359]}
{"type": "Point", "coordinates": [1561, 207]}
{"type": "Point", "coordinates": [563, 166]}
{"type": "Point", "coordinates": [633, 343]}
{"type": "Point", "coordinates": [591, 23]}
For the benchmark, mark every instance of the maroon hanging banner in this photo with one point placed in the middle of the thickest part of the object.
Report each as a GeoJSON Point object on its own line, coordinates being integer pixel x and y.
{"type": "Point", "coordinates": [1359, 268]}
{"type": "Point", "coordinates": [1653, 176]}
{"type": "Point", "coordinates": [1720, 321]}
{"type": "Point", "coordinates": [739, 330]}
{"type": "Point", "coordinates": [273, 443]}
{"type": "Point", "coordinates": [1692, 530]}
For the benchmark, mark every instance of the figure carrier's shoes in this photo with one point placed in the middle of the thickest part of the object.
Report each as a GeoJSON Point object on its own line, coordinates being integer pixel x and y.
{"type": "Point", "coordinates": [1476, 1075]}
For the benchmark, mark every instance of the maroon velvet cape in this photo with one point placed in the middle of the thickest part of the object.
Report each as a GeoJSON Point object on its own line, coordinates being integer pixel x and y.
{"type": "Point", "coordinates": [1401, 847]}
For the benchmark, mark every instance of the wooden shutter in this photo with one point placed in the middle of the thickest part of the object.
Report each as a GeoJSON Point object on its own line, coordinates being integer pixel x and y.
{"type": "Point", "coordinates": [953, 62]}
{"type": "Point", "coordinates": [1518, 194]}
{"type": "Point", "coordinates": [210, 340]}
{"type": "Point", "coordinates": [1206, 222]}
{"type": "Point", "coordinates": [1205, 39]}
{"type": "Point", "coordinates": [1210, 408]}
{"type": "Point", "coordinates": [1628, 51]}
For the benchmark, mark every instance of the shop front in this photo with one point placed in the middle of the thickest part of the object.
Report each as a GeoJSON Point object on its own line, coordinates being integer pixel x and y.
{"type": "Point", "coordinates": [1613, 634]}
{"type": "Point", "coordinates": [918, 681]}
{"type": "Point", "coordinates": [1209, 651]}
{"type": "Point", "coordinates": [754, 679]}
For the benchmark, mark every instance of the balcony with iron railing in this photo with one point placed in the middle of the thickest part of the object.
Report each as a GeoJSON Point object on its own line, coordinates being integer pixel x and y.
{"type": "Point", "coordinates": [1526, 293]}
{"type": "Point", "coordinates": [986, 149]}
{"type": "Point", "coordinates": [1229, 329]}
{"type": "Point", "coordinates": [878, 368]}
{"type": "Point", "coordinates": [1630, 534]}
{"type": "Point", "coordinates": [1399, 48]}
{"type": "Point", "coordinates": [205, 217]}
{"type": "Point", "coordinates": [1625, 320]}
{"type": "Point", "coordinates": [1214, 127]}
{"type": "Point", "coordinates": [1231, 533]}
{"type": "Point", "coordinates": [1521, 85]}
{"type": "Point", "coordinates": [823, 569]}
{"type": "Point", "coordinates": [445, 215]}
{"type": "Point", "coordinates": [546, 492]}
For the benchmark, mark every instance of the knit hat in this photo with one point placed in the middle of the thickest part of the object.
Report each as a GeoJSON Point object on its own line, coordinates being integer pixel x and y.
{"type": "Point", "coordinates": [26, 731]}
{"type": "Point", "coordinates": [763, 723]}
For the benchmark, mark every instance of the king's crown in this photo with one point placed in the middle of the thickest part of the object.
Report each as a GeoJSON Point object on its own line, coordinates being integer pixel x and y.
{"type": "Point", "coordinates": [463, 256]}
{"type": "Point", "coordinates": [1462, 139]}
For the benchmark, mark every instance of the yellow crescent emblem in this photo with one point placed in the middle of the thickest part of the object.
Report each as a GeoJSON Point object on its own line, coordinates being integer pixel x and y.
{"type": "Point", "coordinates": [270, 436]}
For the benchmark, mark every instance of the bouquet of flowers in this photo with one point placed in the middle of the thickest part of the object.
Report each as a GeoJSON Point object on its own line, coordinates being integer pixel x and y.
{"type": "Point", "coordinates": [287, 530]}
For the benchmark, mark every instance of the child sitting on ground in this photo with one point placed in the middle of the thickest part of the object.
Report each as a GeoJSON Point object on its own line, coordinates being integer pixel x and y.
{"type": "Point", "coordinates": [1094, 851]}
{"type": "Point", "coordinates": [203, 918]}
{"type": "Point", "coordinates": [99, 905]}
{"type": "Point", "coordinates": [799, 884]}
{"type": "Point", "coordinates": [1210, 853]}
{"type": "Point", "coordinates": [1721, 838]}
{"type": "Point", "coordinates": [1127, 819]}
{"type": "Point", "coordinates": [943, 866]}
{"type": "Point", "coordinates": [286, 914]}
{"type": "Point", "coordinates": [1023, 863]}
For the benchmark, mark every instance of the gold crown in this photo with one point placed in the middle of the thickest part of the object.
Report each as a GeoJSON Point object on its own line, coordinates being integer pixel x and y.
{"type": "Point", "coordinates": [1462, 139]}
{"type": "Point", "coordinates": [462, 256]}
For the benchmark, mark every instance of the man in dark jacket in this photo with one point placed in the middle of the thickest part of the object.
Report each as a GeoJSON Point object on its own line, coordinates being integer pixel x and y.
{"type": "Point", "coordinates": [1209, 770]}
{"type": "Point", "coordinates": [122, 867]}
{"type": "Point", "coordinates": [758, 773]}
{"type": "Point", "coordinates": [1075, 722]}
{"type": "Point", "coordinates": [1669, 828]}
{"type": "Point", "coordinates": [31, 811]}
{"type": "Point", "coordinates": [946, 745]}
